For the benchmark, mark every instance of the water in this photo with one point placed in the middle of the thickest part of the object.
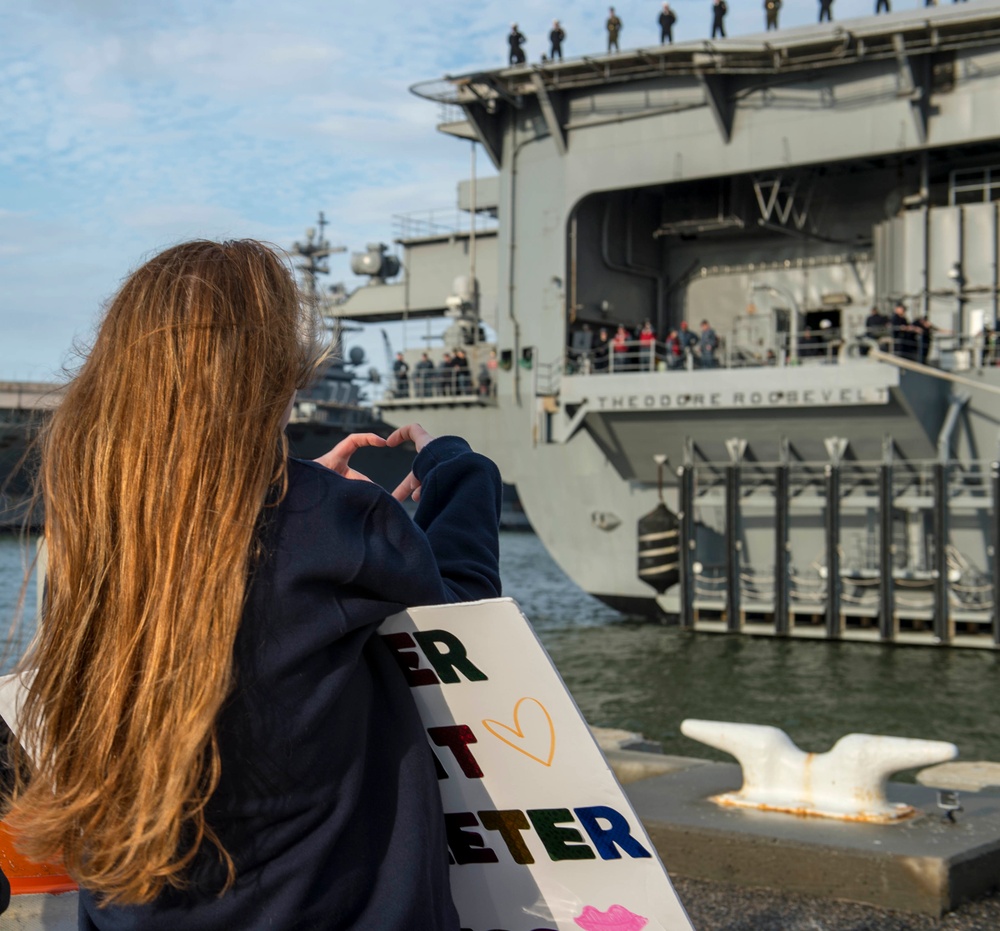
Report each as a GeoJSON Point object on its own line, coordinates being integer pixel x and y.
{"type": "Point", "coordinates": [14, 633]}
{"type": "Point", "coordinates": [645, 677]}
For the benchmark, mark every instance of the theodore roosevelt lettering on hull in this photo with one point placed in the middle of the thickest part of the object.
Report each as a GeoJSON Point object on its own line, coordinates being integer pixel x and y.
{"type": "Point", "coordinates": [686, 400]}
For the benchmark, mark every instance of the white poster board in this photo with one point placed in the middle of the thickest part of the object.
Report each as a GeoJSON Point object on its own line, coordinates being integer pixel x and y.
{"type": "Point", "coordinates": [541, 836]}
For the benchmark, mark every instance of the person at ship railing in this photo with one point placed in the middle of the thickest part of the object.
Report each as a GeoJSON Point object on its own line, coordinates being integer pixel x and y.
{"type": "Point", "coordinates": [401, 373]}
{"type": "Point", "coordinates": [424, 376]}
{"type": "Point", "coordinates": [925, 333]}
{"type": "Point", "coordinates": [876, 328]}
{"type": "Point", "coordinates": [602, 349]}
{"type": "Point", "coordinates": [647, 346]}
{"type": "Point", "coordinates": [219, 737]}
{"type": "Point", "coordinates": [621, 350]}
{"type": "Point", "coordinates": [708, 345]}
{"type": "Point", "coordinates": [492, 365]}
{"type": "Point", "coordinates": [463, 378]}
{"type": "Point", "coordinates": [445, 376]}
{"type": "Point", "coordinates": [688, 343]}
{"type": "Point", "coordinates": [830, 339]}
{"type": "Point", "coordinates": [581, 347]}
{"type": "Point", "coordinates": [988, 343]}
{"type": "Point", "coordinates": [925, 340]}
{"type": "Point", "coordinates": [810, 344]}
{"type": "Point", "coordinates": [905, 336]}
{"type": "Point", "coordinates": [826, 10]}
{"type": "Point", "coordinates": [673, 349]}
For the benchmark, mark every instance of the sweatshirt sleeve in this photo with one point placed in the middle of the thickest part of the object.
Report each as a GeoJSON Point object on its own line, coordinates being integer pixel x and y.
{"type": "Point", "coordinates": [459, 512]}
{"type": "Point", "coordinates": [352, 542]}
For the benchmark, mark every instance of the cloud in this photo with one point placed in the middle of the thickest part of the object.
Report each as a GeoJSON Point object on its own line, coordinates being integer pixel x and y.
{"type": "Point", "coordinates": [128, 126]}
{"type": "Point", "coordinates": [177, 221]}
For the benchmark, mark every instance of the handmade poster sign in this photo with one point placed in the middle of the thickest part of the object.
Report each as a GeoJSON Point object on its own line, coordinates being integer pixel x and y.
{"type": "Point", "coordinates": [541, 836]}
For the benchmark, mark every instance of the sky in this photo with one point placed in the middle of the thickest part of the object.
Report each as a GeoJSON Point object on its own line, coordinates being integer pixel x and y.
{"type": "Point", "coordinates": [127, 127]}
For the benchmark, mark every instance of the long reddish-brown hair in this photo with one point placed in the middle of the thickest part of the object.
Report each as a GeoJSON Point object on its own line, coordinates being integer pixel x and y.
{"type": "Point", "coordinates": [154, 471]}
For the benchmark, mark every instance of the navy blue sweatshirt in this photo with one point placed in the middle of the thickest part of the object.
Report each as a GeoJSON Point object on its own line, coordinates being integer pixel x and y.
{"type": "Point", "coordinates": [328, 800]}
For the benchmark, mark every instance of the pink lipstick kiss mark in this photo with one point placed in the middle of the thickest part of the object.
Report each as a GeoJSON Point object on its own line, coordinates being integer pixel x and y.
{"type": "Point", "coordinates": [616, 918]}
{"type": "Point", "coordinates": [533, 733]}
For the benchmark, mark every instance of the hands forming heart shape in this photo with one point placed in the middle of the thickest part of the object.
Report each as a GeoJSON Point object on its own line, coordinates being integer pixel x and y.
{"type": "Point", "coordinates": [338, 459]}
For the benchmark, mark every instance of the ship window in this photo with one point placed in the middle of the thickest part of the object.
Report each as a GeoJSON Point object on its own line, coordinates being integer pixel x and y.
{"type": "Point", "coordinates": [974, 185]}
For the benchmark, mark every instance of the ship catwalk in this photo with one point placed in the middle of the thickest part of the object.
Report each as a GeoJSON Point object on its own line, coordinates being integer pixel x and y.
{"type": "Point", "coordinates": [821, 474]}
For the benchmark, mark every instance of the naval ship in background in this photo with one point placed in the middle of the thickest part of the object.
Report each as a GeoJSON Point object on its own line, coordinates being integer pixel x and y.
{"type": "Point", "coordinates": [813, 481]}
{"type": "Point", "coordinates": [336, 405]}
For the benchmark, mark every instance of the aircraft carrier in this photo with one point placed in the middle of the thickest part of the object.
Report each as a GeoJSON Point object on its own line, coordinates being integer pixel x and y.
{"type": "Point", "coordinates": [815, 475]}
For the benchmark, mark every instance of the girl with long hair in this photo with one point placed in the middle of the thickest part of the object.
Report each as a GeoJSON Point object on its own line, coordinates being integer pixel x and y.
{"type": "Point", "coordinates": [218, 738]}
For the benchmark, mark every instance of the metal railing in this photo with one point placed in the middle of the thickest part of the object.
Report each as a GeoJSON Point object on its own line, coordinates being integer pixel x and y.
{"type": "Point", "coordinates": [823, 346]}
{"type": "Point", "coordinates": [441, 221]}
{"type": "Point", "coordinates": [436, 385]}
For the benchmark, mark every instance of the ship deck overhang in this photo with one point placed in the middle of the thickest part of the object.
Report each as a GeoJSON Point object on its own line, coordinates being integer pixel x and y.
{"type": "Point", "coordinates": [912, 43]}
{"type": "Point", "coordinates": [805, 48]}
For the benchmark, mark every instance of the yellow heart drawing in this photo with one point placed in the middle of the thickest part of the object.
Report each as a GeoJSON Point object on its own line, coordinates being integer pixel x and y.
{"type": "Point", "coordinates": [532, 735]}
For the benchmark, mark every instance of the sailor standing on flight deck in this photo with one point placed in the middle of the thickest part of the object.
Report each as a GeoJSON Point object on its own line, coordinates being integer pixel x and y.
{"type": "Point", "coordinates": [824, 10]}
{"type": "Point", "coordinates": [771, 8]}
{"type": "Point", "coordinates": [719, 10]}
{"type": "Point", "coordinates": [556, 37]}
{"type": "Point", "coordinates": [614, 25]}
{"type": "Point", "coordinates": [667, 20]}
{"type": "Point", "coordinates": [516, 40]}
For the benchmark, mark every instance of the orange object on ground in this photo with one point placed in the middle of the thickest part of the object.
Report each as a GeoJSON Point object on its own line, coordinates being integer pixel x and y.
{"type": "Point", "coordinates": [26, 876]}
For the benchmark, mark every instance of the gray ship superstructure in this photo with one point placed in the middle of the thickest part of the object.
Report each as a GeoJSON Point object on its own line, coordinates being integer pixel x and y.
{"type": "Point", "coordinates": [336, 404]}
{"type": "Point", "coordinates": [817, 478]}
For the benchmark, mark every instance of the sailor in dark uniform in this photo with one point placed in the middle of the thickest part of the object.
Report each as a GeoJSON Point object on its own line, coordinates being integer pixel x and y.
{"type": "Point", "coordinates": [516, 40]}
{"type": "Point", "coordinates": [667, 20]}
{"type": "Point", "coordinates": [719, 10]}
{"type": "Point", "coordinates": [881, 5]}
{"type": "Point", "coordinates": [824, 10]}
{"type": "Point", "coordinates": [876, 328]}
{"type": "Point", "coordinates": [614, 26]}
{"type": "Point", "coordinates": [556, 37]}
{"type": "Point", "coordinates": [771, 8]}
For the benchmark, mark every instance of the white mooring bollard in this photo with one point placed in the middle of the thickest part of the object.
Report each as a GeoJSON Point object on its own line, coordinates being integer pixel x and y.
{"type": "Point", "coordinates": [848, 782]}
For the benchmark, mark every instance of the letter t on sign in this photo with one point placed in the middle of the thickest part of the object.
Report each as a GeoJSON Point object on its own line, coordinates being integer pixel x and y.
{"type": "Point", "coordinates": [457, 737]}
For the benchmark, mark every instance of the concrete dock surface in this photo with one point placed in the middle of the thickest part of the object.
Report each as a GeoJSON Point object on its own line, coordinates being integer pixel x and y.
{"type": "Point", "coordinates": [715, 906]}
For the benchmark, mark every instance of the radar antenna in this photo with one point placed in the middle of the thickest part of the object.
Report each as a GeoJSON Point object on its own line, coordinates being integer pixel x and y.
{"type": "Point", "coordinates": [313, 250]}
